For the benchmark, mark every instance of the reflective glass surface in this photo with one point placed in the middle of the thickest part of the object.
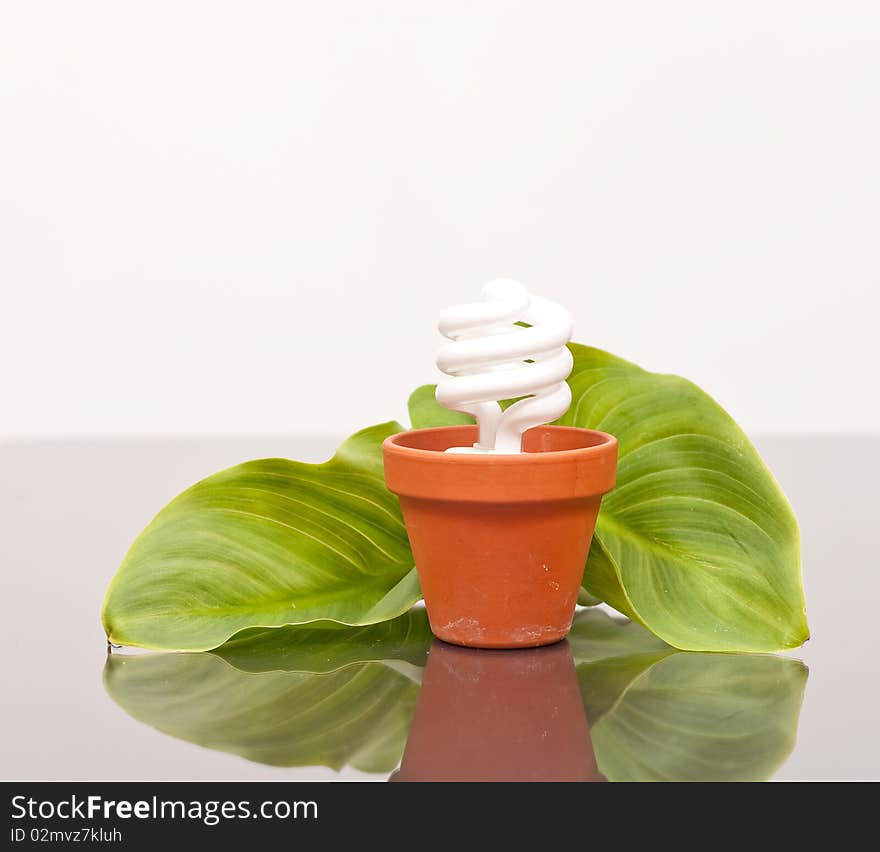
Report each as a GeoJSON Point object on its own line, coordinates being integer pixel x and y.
{"type": "Point", "coordinates": [390, 702]}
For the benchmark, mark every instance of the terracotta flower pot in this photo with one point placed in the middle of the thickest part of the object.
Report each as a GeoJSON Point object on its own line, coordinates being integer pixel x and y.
{"type": "Point", "coordinates": [500, 541]}
{"type": "Point", "coordinates": [499, 716]}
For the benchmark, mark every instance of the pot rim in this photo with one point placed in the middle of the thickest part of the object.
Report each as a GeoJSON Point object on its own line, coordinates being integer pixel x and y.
{"type": "Point", "coordinates": [604, 443]}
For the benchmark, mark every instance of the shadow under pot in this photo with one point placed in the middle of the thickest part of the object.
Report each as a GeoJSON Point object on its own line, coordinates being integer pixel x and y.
{"type": "Point", "coordinates": [500, 541]}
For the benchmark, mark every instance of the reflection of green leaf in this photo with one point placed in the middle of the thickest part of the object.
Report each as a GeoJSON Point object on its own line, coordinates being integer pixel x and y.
{"type": "Point", "coordinates": [267, 543]}
{"type": "Point", "coordinates": [659, 714]}
{"type": "Point", "coordinates": [326, 646]}
{"type": "Point", "coordinates": [597, 636]}
{"type": "Point", "coordinates": [610, 653]}
{"type": "Point", "coordinates": [695, 717]}
{"type": "Point", "coordinates": [333, 695]}
{"type": "Point", "coordinates": [358, 715]}
{"type": "Point", "coordinates": [696, 541]}
{"type": "Point", "coordinates": [256, 699]}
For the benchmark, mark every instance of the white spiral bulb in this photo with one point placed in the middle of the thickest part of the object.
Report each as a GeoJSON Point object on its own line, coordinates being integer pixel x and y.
{"type": "Point", "coordinates": [490, 359]}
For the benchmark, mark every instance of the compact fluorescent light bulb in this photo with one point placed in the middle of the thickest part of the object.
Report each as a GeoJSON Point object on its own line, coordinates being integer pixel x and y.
{"type": "Point", "coordinates": [490, 359]}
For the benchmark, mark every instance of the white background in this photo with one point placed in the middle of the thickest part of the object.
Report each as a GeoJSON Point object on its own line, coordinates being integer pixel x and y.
{"type": "Point", "coordinates": [245, 217]}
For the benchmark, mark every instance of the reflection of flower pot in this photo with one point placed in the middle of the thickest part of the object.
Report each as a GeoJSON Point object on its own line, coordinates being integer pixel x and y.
{"type": "Point", "coordinates": [499, 716]}
{"type": "Point", "coordinates": [500, 541]}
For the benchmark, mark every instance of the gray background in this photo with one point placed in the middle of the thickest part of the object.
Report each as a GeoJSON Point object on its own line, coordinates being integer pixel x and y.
{"type": "Point", "coordinates": [70, 509]}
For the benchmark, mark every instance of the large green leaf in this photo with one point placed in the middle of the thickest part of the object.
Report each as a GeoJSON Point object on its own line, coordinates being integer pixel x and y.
{"type": "Point", "coordinates": [697, 542]}
{"type": "Point", "coordinates": [264, 544]}
{"type": "Point", "coordinates": [331, 695]}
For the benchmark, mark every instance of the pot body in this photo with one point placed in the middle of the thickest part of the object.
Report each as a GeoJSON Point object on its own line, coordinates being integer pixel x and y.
{"type": "Point", "coordinates": [500, 541]}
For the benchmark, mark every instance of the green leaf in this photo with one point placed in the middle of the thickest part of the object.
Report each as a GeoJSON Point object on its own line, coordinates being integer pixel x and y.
{"type": "Point", "coordinates": [265, 544]}
{"type": "Point", "coordinates": [697, 542]}
{"type": "Point", "coordinates": [331, 695]}
{"type": "Point", "coordinates": [295, 696]}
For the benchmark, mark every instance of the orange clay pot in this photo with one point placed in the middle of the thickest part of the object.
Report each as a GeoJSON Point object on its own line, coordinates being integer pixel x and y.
{"type": "Point", "coordinates": [499, 716]}
{"type": "Point", "coordinates": [500, 541]}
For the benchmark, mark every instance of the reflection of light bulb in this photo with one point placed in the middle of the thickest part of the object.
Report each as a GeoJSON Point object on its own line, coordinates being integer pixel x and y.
{"type": "Point", "coordinates": [489, 360]}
